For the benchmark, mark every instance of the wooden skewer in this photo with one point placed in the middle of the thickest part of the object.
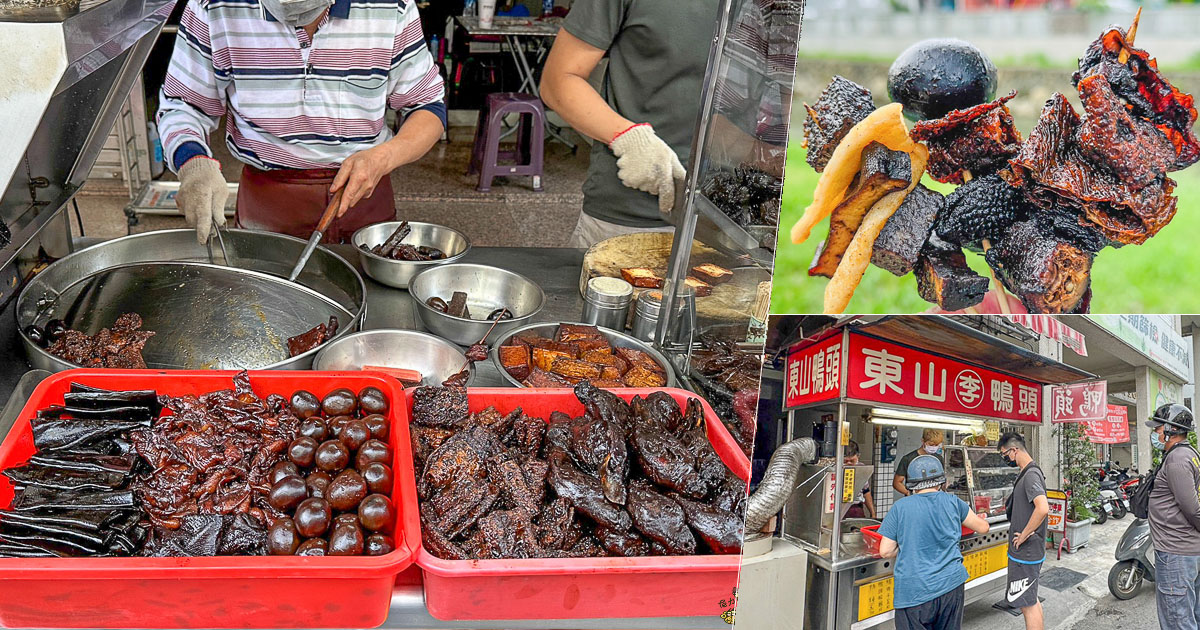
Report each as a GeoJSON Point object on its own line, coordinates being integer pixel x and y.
{"type": "Point", "coordinates": [1129, 36]}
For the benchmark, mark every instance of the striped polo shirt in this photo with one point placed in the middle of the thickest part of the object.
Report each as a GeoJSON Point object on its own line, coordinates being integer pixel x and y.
{"type": "Point", "coordinates": [289, 102]}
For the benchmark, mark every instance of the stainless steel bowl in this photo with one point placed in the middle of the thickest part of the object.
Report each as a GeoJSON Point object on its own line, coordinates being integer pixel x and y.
{"type": "Point", "coordinates": [435, 358]}
{"type": "Point", "coordinates": [487, 289]}
{"type": "Point", "coordinates": [617, 339]}
{"type": "Point", "coordinates": [327, 274]}
{"type": "Point", "coordinates": [398, 273]}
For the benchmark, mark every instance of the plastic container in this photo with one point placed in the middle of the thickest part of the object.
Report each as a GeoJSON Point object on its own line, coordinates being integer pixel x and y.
{"type": "Point", "coordinates": [216, 592]}
{"type": "Point", "coordinates": [871, 539]}
{"type": "Point", "coordinates": [581, 588]}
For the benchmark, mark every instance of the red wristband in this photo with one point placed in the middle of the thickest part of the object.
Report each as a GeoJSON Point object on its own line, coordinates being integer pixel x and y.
{"type": "Point", "coordinates": [634, 126]}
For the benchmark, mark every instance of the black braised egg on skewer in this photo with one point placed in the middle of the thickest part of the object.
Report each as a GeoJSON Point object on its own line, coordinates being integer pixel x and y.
{"type": "Point", "coordinates": [934, 77]}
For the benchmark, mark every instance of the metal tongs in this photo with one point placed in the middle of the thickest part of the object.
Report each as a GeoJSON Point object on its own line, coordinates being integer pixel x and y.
{"type": "Point", "coordinates": [220, 241]}
{"type": "Point", "coordinates": [322, 225]}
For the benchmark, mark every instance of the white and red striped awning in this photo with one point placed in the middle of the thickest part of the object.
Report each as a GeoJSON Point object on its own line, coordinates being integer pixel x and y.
{"type": "Point", "coordinates": [1049, 326]}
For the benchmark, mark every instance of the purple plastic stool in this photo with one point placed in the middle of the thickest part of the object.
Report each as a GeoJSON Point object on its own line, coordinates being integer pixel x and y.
{"type": "Point", "coordinates": [531, 138]}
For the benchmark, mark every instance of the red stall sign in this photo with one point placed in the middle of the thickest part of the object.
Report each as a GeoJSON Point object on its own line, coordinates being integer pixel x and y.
{"type": "Point", "coordinates": [814, 373]}
{"type": "Point", "coordinates": [880, 371]}
{"type": "Point", "coordinates": [1079, 402]}
{"type": "Point", "coordinates": [1113, 429]}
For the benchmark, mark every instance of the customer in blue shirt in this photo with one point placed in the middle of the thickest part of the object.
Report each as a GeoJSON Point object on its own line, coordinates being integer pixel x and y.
{"type": "Point", "coordinates": [922, 532]}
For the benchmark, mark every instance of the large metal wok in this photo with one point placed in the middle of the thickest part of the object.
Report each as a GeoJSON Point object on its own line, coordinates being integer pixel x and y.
{"type": "Point", "coordinates": [206, 316]}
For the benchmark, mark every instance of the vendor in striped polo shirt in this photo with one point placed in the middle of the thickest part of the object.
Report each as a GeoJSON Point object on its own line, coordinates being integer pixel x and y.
{"type": "Point", "coordinates": [303, 86]}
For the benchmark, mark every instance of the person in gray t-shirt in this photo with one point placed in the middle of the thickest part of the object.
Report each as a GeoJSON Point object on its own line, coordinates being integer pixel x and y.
{"type": "Point", "coordinates": [1027, 508]}
{"type": "Point", "coordinates": [1175, 519]}
{"type": "Point", "coordinates": [645, 116]}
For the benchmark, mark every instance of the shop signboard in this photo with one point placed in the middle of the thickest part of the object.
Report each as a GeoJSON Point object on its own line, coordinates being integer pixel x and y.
{"type": "Point", "coordinates": [884, 372]}
{"type": "Point", "coordinates": [1113, 429]}
{"type": "Point", "coordinates": [1056, 520]}
{"type": "Point", "coordinates": [1079, 402]}
{"type": "Point", "coordinates": [813, 373]}
{"type": "Point", "coordinates": [1153, 336]}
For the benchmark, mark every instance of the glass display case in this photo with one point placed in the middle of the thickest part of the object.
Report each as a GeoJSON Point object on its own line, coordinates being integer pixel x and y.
{"type": "Point", "coordinates": [726, 211]}
{"type": "Point", "coordinates": [980, 477]}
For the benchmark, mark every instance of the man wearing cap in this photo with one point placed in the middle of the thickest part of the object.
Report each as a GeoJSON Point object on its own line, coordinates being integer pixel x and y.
{"type": "Point", "coordinates": [1027, 508]}
{"type": "Point", "coordinates": [931, 444]}
{"type": "Point", "coordinates": [922, 531]}
{"type": "Point", "coordinates": [1175, 519]}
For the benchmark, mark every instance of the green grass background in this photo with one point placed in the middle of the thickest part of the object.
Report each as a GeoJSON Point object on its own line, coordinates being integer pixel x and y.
{"type": "Point", "coordinates": [1158, 276]}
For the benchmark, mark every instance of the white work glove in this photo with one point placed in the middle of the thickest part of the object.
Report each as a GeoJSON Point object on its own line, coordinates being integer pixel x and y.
{"type": "Point", "coordinates": [646, 163]}
{"type": "Point", "coordinates": [202, 194]}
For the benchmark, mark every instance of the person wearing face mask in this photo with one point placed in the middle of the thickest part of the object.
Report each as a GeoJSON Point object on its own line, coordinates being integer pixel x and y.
{"type": "Point", "coordinates": [863, 505]}
{"type": "Point", "coordinates": [303, 87]}
{"type": "Point", "coordinates": [1027, 508]}
{"type": "Point", "coordinates": [922, 532]}
{"type": "Point", "coordinates": [1174, 510]}
{"type": "Point", "coordinates": [931, 444]}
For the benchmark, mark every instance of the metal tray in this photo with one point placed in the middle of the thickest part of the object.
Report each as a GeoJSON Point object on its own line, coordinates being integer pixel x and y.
{"type": "Point", "coordinates": [198, 324]}
{"type": "Point", "coordinates": [617, 339]}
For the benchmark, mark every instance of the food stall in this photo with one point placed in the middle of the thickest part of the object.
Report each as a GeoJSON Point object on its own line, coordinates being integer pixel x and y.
{"type": "Point", "coordinates": [225, 305]}
{"type": "Point", "coordinates": [869, 380]}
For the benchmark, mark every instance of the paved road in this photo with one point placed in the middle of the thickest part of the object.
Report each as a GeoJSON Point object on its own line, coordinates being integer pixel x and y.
{"type": "Point", "coordinates": [1087, 605]}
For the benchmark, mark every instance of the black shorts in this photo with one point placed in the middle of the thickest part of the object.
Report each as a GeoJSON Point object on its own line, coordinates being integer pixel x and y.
{"type": "Point", "coordinates": [1022, 589]}
{"type": "Point", "coordinates": [944, 612]}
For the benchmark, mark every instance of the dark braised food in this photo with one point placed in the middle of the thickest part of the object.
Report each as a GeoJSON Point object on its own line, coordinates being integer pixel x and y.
{"type": "Point", "coordinates": [1038, 208]}
{"type": "Point", "coordinates": [578, 353]}
{"type": "Point", "coordinates": [394, 249]}
{"type": "Point", "coordinates": [310, 339]}
{"type": "Point", "coordinates": [936, 76]}
{"type": "Point", "coordinates": [338, 487]}
{"type": "Point", "coordinates": [118, 347]}
{"type": "Point", "coordinates": [979, 140]}
{"type": "Point", "coordinates": [882, 171]}
{"type": "Point", "coordinates": [457, 307]}
{"type": "Point", "coordinates": [746, 195]}
{"type": "Point", "coordinates": [904, 235]}
{"type": "Point", "coordinates": [73, 497]}
{"type": "Point", "coordinates": [841, 105]}
{"type": "Point", "coordinates": [214, 454]}
{"type": "Point", "coordinates": [494, 485]}
{"type": "Point", "coordinates": [728, 377]}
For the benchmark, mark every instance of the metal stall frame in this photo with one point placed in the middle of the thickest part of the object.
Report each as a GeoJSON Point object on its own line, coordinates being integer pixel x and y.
{"type": "Point", "coordinates": [848, 576]}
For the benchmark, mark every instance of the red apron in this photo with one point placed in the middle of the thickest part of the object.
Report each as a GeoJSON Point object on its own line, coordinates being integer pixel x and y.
{"type": "Point", "coordinates": [292, 202]}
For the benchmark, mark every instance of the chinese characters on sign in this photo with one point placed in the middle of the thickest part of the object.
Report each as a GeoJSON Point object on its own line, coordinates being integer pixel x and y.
{"type": "Point", "coordinates": [1079, 402]}
{"type": "Point", "coordinates": [1113, 429]}
{"type": "Point", "coordinates": [1056, 520]}
{"type": "Point", "coordinates": [880, 371]}
{"type": "Point", "coordinates": [814, 373]}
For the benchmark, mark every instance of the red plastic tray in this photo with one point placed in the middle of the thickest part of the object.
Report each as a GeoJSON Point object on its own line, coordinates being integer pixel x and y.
{"type": "Point", "coordinates": [581, 588]}
{"type": "Point", "coordinates": [220, 592]}
{"type": "Point", "coordinates": [871, 539]}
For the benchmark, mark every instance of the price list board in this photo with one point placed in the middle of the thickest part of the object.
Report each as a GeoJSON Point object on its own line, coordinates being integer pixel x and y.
{"type": "Point", "coordinates": [875, 598]}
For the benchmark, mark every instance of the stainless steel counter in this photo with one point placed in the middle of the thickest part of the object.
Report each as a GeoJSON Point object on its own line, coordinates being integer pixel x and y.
{"type": "Point", "coordinates": [556, 270]}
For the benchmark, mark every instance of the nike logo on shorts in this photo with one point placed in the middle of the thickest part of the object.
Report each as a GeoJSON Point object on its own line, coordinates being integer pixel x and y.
{"type": "Point", "coordinates": [1017, 589]}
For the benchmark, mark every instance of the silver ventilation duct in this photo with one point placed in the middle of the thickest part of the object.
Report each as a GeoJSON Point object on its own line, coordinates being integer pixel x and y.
{"type": "Point", "coordinates": [779, 481]}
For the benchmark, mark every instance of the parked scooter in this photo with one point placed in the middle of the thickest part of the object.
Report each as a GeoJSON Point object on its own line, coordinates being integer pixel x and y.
{"type": "Point", "coordinates": [1109, 470]}
{"type": "Point", "coordinates": [1135, 561]}
{"type": "Point", "coordinates": [1113, 501]}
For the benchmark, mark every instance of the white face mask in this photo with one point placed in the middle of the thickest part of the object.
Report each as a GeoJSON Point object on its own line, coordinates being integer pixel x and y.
{"type": "Point", "coordinates": [296, 13]}
{"type": "Point", "coordinates": [932, 450]}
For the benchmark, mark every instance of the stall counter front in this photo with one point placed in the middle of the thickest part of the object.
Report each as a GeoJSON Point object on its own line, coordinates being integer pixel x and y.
{"type": "Point", "coordinates": [556, 270]}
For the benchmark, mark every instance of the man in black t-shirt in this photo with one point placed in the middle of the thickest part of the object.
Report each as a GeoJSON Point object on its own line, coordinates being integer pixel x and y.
{"type": "Point", "coordinates": [931, 444]}
{"type": "Point", "coordinates": [1027, 509]}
